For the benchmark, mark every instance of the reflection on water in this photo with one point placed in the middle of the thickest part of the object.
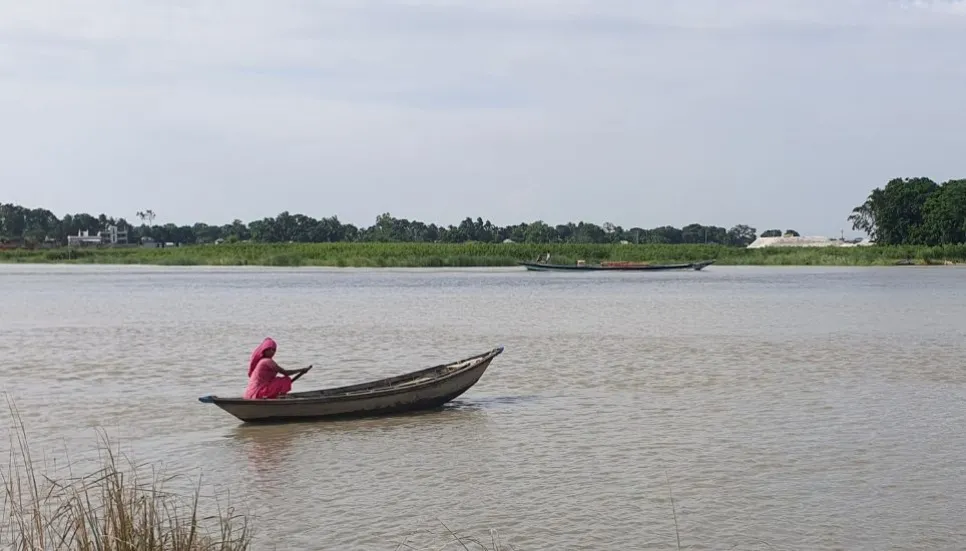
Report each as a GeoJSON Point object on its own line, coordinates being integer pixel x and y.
{"type": "Point", "coordinates": [468, 414]}
{"type": "Point", "coordinates": [808, 408]}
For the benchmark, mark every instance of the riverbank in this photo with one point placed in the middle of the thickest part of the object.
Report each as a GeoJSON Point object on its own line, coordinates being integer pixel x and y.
{"type": "Point", "coordinates": [427, 255]}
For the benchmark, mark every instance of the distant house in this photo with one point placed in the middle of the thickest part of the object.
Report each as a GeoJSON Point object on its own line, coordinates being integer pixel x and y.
{"type": "Point", "coordinates": [113, 235]}
{"type": "Point", "coordinates": [116, 235]}
{"type": "Point", "coordinates": [85, 239]}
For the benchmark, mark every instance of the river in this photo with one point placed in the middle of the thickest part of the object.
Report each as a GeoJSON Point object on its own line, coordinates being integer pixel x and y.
{"type": "Point", "coordinates": [797, 408]}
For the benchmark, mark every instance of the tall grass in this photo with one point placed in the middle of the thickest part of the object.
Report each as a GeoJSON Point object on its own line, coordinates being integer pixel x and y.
{"type": "Point", "coordinates": [109, 509]}
{"type": "Point", "coordinates": [482, 254]}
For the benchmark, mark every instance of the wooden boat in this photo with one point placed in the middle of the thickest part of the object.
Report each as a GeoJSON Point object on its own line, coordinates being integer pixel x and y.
{"type": "Point", "coordinates": [614, 266]}
{"type": "Point", "coordinates": [419, 390]}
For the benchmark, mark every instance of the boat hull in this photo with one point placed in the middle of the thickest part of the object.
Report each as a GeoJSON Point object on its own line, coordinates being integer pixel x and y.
{"type": "Point", "coordinates": [541, 267]}
{"type": "Point", "coordinates": [420, 390]}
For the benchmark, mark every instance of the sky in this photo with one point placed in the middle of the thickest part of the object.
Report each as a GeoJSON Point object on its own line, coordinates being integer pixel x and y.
{"type": "Point", "coordinates": [772, 113]}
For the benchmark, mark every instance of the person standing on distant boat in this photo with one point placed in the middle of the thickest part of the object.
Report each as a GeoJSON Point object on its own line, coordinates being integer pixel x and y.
{"type": "Point", "coordinates": [262, 382]}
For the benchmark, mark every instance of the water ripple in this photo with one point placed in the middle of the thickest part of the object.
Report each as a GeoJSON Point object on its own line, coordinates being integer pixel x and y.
{"type": "Point", "coordinates": [803, 409]}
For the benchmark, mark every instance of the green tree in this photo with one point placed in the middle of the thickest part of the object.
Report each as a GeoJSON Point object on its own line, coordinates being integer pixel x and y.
{"type": "Point", "coordinates": [539, 232]}
{"type": "Point", "coordinates": [944, 215]}
{"type": "Point", "coordinates": [863, 217]}
{"type": "Point", "coordinates": [901, 218]}
{"type": "Point", "coordinates": [741, 235]}
{"type": "Point", "coordinates": [895, 214]}
{"type": "Point", "coordinates": [13, 221]}
{"type": "Point", "coordinates": [666, 234]}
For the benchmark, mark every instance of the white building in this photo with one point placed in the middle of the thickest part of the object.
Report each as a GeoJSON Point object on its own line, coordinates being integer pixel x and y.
{"type": "Point", "coordinates": [116, 235]}
{"type": "Point", "coordinates": [83, 238]}
{"type": "Point", "coordinates": [112, 235]}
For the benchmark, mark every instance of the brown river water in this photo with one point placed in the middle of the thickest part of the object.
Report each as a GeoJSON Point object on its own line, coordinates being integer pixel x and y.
{"type": "Point", "coordinates": [788, 408]}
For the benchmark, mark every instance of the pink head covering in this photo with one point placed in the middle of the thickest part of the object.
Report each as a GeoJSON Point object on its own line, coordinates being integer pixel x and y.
{"type": "Point", "coordinates": [267, 344]}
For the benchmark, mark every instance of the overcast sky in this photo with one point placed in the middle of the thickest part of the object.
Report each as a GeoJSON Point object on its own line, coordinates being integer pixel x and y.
{"type": "Point", "coordinates": [773, 113]}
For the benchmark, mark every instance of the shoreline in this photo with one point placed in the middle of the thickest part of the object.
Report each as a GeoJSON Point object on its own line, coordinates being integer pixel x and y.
{"type": "Point", "coordinates": [482, 255]}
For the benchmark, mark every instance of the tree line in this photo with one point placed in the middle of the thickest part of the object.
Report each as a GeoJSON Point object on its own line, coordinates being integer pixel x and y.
{"type": "Point", "coordinates": [18, 223]}
{"type": "Point", "coordinates": [914, 211]}
{"type": "Point", "coordinates": [906, 211]}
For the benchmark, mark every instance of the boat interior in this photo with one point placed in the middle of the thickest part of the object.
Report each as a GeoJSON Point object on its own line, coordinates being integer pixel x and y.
{"type": "Point", "coordinates": [398, 381]}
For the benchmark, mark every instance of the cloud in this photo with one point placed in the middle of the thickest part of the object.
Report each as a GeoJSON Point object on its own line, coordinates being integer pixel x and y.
{"type": "Point", "coordinates": [641, 112]}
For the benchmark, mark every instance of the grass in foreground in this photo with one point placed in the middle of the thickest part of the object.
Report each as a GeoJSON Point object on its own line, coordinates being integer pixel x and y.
{"type": "Point", "coordinates": [429, 255]}
{"type": "Point", "coordinates": [106, 510]}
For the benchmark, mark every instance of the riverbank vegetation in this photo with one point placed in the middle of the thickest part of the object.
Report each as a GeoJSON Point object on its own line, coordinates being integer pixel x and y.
{"type": "Point", "coordinates": [116, 507]}
{"type": "Point", "coordinates": [428, 255]}
{"type": "Point", "coordinates": [912, 221]}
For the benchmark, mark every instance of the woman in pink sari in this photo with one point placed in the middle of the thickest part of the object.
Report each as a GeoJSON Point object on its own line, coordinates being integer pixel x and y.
{"type": "Point", "coordinates": [262, 382]}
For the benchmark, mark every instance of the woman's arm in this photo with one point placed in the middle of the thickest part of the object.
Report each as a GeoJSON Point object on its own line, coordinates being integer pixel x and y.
{"type": "Point", "coordinates": [286, 372]}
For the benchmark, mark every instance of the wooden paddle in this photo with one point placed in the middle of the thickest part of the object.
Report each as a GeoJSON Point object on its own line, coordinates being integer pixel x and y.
{"type": "Point", "coordinates": [300, 373]}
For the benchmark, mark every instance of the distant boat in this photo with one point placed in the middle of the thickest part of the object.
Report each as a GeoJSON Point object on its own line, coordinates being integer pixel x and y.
{"type": "Point", "coordinates": [420, 390]}
{"type": "Point", "coordinates": [541, 266]}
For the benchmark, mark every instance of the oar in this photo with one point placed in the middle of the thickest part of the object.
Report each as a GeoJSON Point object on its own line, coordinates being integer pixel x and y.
{"type": "Point", "coordinates": [300, 373]}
